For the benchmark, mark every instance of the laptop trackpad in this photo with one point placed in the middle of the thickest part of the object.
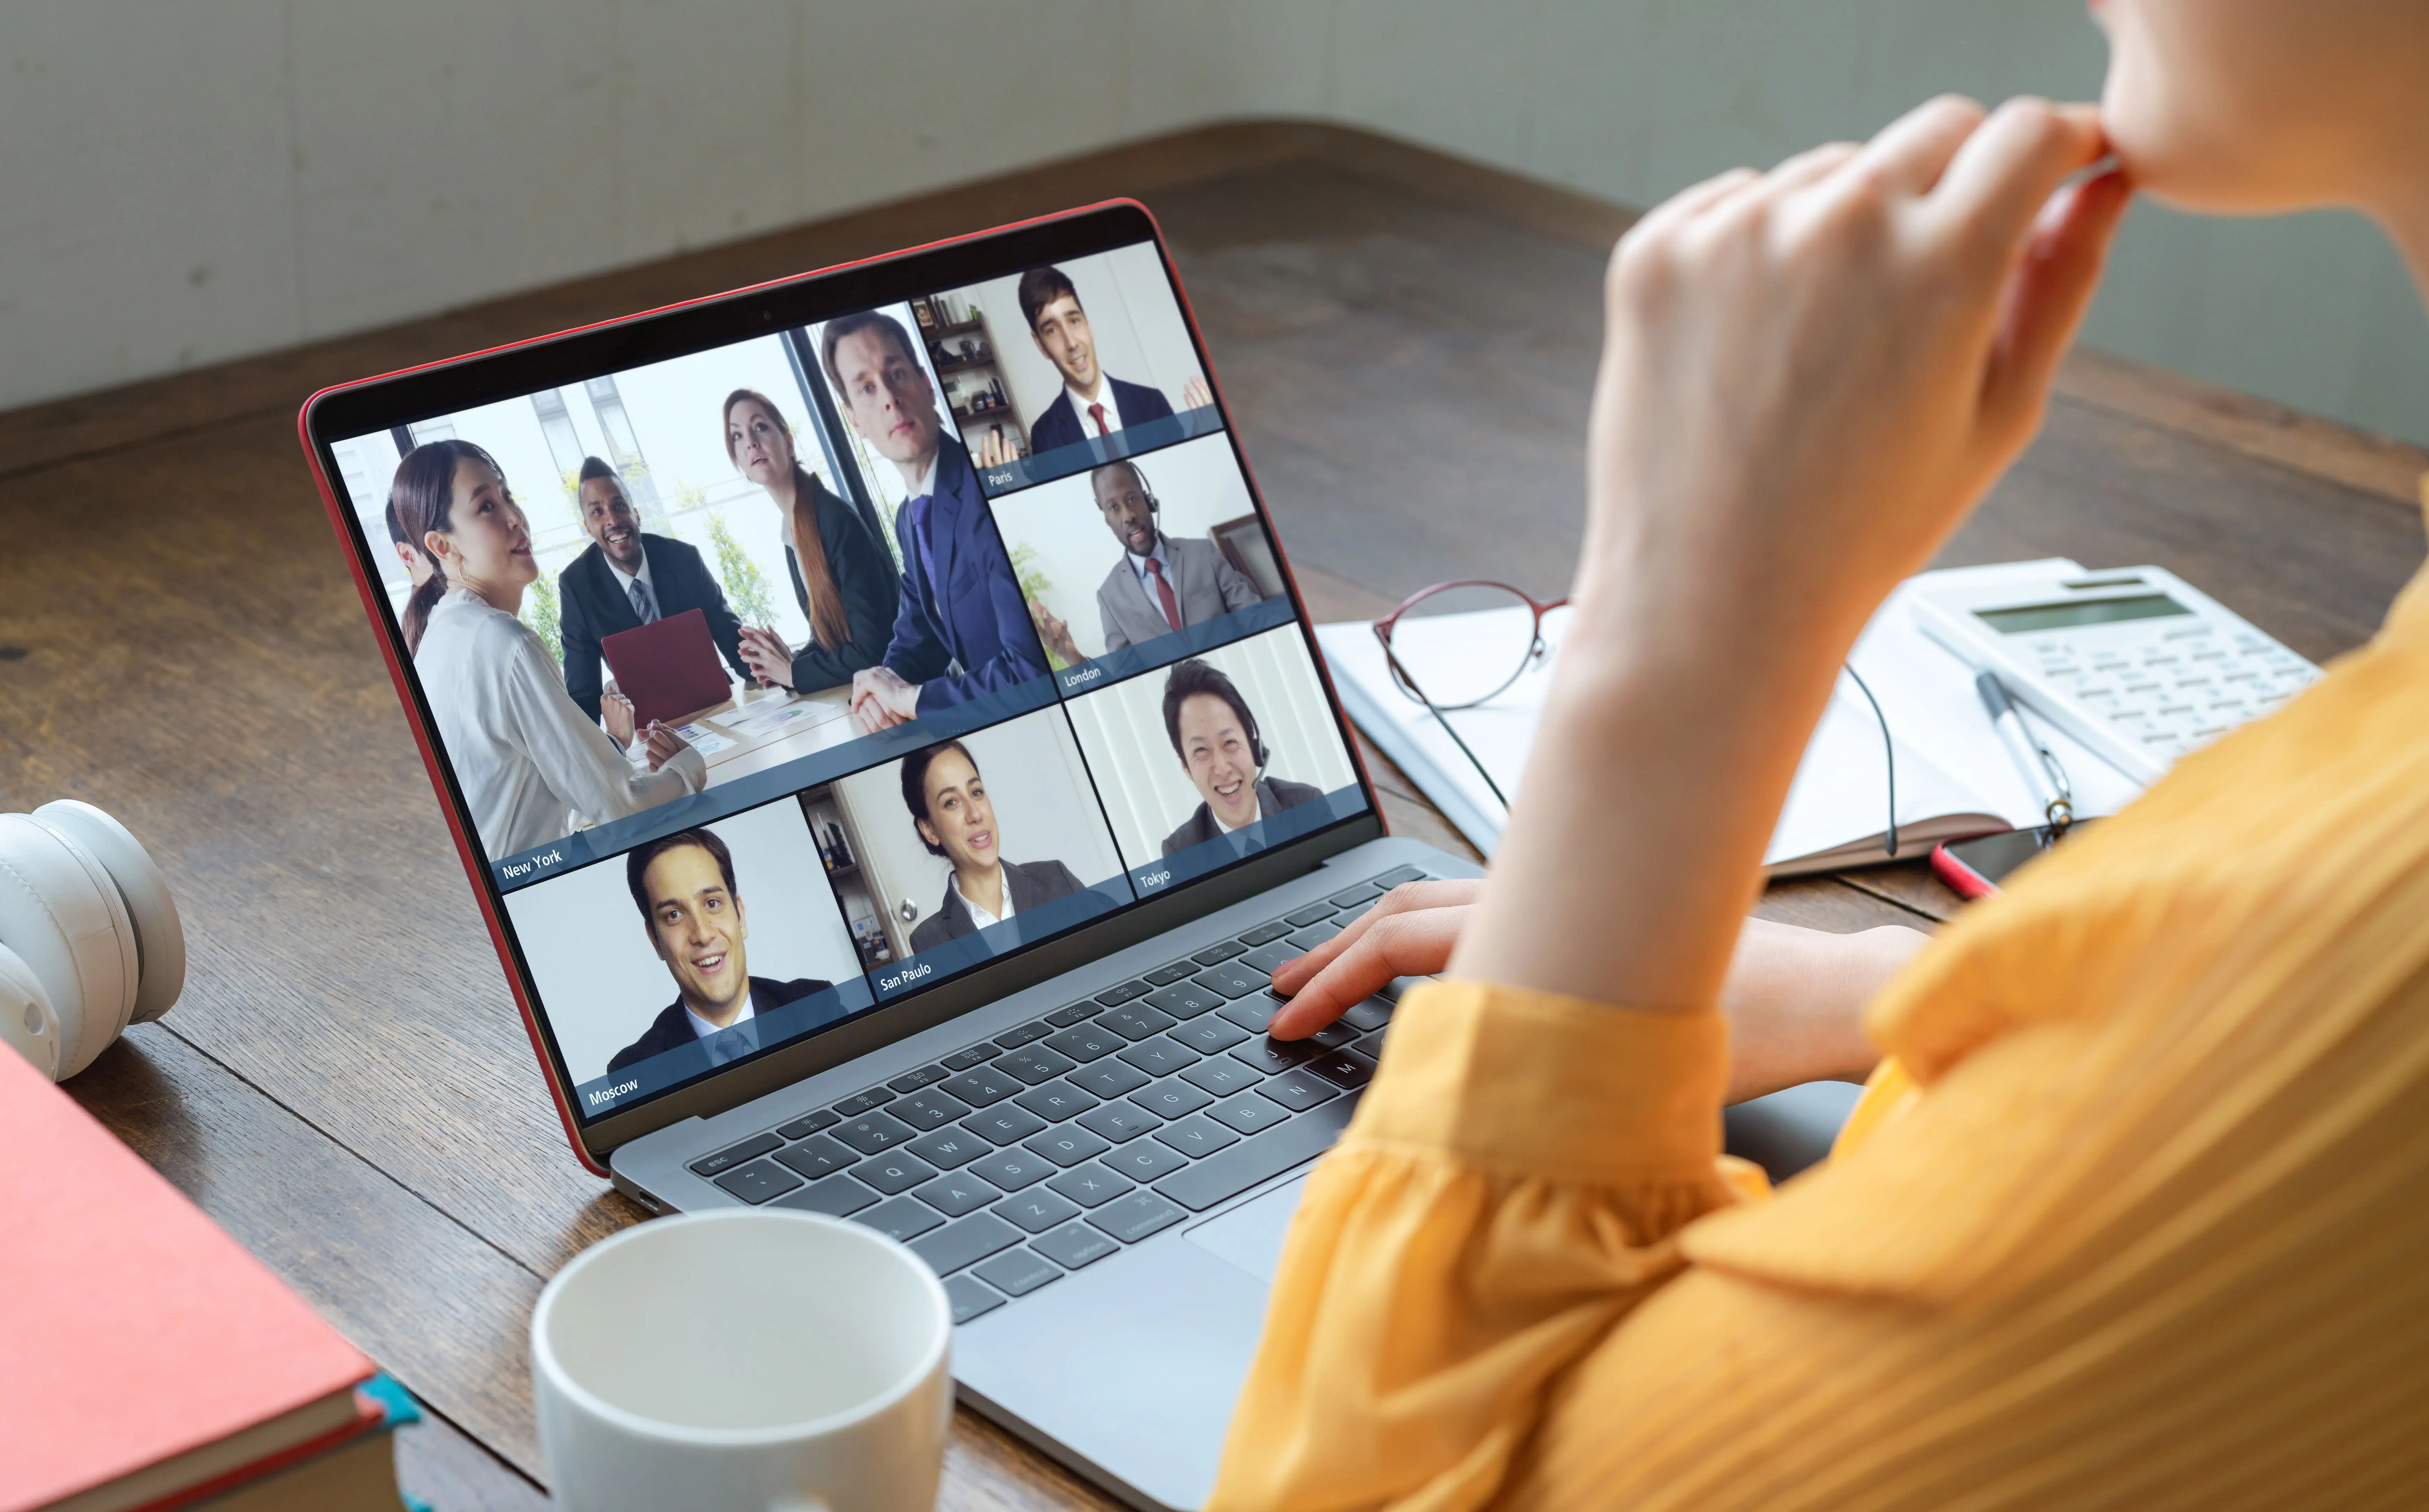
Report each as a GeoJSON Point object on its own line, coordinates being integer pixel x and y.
{"type": "Point", "coordinates": [1251, 1237]}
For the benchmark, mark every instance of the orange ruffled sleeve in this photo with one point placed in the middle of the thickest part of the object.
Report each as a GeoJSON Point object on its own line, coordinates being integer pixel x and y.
{"type": "Point", "coordinates": [1508, 1190]}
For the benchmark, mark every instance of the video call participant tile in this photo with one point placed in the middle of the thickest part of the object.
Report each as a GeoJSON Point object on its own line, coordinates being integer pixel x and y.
{"type": "Point", "coordinates": [1216, 757]}
{"type": "Point", "coordinates": [1060, 367]}
{"type": "Point", "coordinates": [1140, 562]}
{"type": "Point", "coordinates": [687, 953]}
{"type": "Point", "coordinates": [980, 845]}
{"type": "Point", "coordinates": [962, 630]}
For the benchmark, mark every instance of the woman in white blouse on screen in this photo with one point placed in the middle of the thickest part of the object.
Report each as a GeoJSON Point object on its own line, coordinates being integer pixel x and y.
{"type": "Point", "coordinates": [527, 758]}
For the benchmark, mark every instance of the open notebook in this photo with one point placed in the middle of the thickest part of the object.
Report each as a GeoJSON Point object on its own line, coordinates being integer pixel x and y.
{"type": "Point", "coordinates": [1954, 778]}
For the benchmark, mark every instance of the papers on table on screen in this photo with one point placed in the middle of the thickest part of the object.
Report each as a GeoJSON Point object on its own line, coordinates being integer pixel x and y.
{"type": "Point", "coordinates": [1954, 777]}
{"type": "Point", "coordinates": [703, 740]}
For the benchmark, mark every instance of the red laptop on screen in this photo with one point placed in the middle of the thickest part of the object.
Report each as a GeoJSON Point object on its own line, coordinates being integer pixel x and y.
{"type": "Point", "coordinates": [668, 667]}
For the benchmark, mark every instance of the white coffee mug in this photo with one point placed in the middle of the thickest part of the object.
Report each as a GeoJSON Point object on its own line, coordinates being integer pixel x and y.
{"type": "Point", "coordinates": [744, 1361]}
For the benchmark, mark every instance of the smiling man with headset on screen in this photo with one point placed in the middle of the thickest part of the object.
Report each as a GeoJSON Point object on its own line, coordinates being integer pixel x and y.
{"type": "Point", "coordinates": [1160, 584]}
{"type": "Point", "coordinates": [1216, 737]}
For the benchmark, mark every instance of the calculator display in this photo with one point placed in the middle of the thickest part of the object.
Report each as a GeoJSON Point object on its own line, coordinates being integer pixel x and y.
{"type": "Point", "coordinates": [2027, 619]}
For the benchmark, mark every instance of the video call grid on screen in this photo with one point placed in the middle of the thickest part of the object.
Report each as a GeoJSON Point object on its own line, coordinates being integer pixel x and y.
{"type": "Point", "coordinates": [1167, 472]}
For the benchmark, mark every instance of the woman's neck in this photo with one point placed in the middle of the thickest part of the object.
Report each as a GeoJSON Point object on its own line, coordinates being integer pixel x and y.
{"type": "Point", "coordinates": [781, 487]}
{"type": "Point", "coordinates": [505, 598]}
{"type": "Point", "coordinates": [984, 887]}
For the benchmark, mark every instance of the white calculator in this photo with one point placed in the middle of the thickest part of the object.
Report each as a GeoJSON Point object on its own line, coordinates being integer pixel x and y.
{"type": "Point", "coordinates": [2136, 663]}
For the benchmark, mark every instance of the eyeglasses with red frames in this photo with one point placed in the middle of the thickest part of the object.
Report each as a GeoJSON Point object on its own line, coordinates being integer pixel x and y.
{"type": "Point", "coordinates": [1496, 639]}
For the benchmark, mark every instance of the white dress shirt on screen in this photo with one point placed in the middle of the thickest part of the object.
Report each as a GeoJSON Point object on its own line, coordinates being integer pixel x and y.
{"type": "Point", "coordinates": [625, 580]}
{"type": "Point", "coordinates": [703, 1029]}
{"type": "Point", "coordinates": [526, 757]}
{"type": "Point", "coordinates": [980, 916]}
{"type": "Point", "coordinates": [1080, 401]}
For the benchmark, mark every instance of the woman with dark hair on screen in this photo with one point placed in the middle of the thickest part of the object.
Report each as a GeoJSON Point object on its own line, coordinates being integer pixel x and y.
{"type": "Point", "coordinates": [2135, 1211]}
{"type": "Point", "coordinates": [948, 805]}
{"type": "Point", "coordinates": [846, 586]}
{"type": "Point", "coordinates": [529, 760]}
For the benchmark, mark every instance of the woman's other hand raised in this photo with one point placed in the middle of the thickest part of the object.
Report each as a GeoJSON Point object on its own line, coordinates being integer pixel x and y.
{"type": "Point", "coordinates": [1808, 377]}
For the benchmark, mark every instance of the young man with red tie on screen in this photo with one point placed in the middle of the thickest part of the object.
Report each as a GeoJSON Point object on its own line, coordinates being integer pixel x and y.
{"type": "Point", "coordinates": [1093, 401]}
{"type": "Point", "coordinates": [963, 629]}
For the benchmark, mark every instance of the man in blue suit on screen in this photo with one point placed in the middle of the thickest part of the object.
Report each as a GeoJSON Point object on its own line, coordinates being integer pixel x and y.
{"type": "Point", "coordinates": [1093, 401]}
{"type": "Point", "coordinates": [963, 629]}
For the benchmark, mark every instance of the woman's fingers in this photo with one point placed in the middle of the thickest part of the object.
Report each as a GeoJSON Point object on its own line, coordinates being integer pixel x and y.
{"type": "Point", "coordinates": [2048, 294]}
{"type": "Point", "coordinates": [1408, 897]}
{"type": "Point", "coordinates": [1695, 200]}
{"type": "Point", "coordinates": [1408, 933]}
{"type": "Point", "coordinates": [1810, 166]}
{"type": "Point", "coordinates": [1403, 945]}
{"type": "Point", "coordinates": [1912, 152]}
{"type": "Point", "coordinates": [2005, 171]}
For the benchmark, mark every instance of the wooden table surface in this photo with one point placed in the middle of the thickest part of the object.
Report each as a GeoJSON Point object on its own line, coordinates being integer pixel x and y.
{"type": "Point", "coordinates": [1407, 341]}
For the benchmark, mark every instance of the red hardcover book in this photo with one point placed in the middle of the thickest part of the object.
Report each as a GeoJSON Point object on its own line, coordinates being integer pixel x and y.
{"type": "Point", "coordinates": [142, 1351]}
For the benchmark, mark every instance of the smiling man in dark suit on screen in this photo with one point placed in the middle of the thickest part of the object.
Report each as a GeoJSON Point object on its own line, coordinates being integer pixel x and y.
{"type": "Point", "coordinates": [1216, 737]}
{"type": "Point", "coordinates": [627, 578]}
{"type": "Point", "coordinates": [1093, 403]}
{"type": "Point", "coordinates": [683, 885]}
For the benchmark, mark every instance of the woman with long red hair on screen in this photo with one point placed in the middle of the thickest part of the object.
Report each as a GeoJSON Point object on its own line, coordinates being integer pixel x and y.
{"type": "Point", "coordinates": [2135, 1211]}
{"type": "Point", "coordinates": [847, 588]}
{"type": "Point", "coordinates": [530, 762]}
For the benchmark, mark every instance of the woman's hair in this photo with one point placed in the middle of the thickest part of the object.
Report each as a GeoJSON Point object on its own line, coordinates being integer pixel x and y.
{"type": "Point", "coordinates": [915, 781]}
{"type": "Point", "coordinates": [418, 503]}
{"type": "Point", "coordinates": [829, 626]}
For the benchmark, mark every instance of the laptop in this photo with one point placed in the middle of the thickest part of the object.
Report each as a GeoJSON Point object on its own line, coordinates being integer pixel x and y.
{"type": "Point", "coordinates": [990, 978]}
{"type": "Point", "coordinates": [668, 667]}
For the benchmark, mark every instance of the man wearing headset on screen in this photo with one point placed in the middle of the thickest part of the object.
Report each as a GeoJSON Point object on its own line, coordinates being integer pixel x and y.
{"type": "Point", "coordinates": [683, 885]}
{"type": "Point", "coordinates": [1216, 737]}
{"type": "Point", "coordinates": [1160, 584]}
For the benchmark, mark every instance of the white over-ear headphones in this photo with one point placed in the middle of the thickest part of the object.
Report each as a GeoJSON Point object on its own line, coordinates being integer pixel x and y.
{"type": "Point", "coordinates": [89, 941]}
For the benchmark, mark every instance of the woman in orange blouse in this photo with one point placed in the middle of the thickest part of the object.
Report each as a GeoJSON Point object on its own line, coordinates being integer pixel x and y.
{"type": "Point", "coordinates": [2136, 1214]}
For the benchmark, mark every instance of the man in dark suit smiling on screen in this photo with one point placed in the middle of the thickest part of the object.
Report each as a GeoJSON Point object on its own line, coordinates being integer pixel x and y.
{"type": "Point", "coordinates": [683, 885]}
{"type": "Point", "coordinates": [1093, 401]}
{"type": "Point", "coordinates": [627, 578]}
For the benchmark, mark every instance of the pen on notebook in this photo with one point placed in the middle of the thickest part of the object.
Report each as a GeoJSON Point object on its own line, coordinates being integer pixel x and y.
{"type": "Point", "coordinates": [2041, 771]}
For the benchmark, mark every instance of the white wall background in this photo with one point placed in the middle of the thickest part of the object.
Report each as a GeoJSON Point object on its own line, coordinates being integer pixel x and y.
{"type": "Point", "coordinates": [590, 948]}
{"type": "Point", "coordinates": [1147, 790]}
{"type": "Point", "coordinates": [1043, 806]}
{"type": "Point", "coordinates": [1140, 336]}
{"type": "Point", "coordinates": [187, 183]}
{"type": "Point", "coordinates": [1197, 483]}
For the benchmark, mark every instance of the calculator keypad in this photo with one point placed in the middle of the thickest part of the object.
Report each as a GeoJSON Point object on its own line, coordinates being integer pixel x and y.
{"type": "Point", "coordinates": [2168, 692]}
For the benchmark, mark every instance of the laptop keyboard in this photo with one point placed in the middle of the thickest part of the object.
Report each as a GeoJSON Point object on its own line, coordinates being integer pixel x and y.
{"type": "Point", "coordinates": [1022, 1157]}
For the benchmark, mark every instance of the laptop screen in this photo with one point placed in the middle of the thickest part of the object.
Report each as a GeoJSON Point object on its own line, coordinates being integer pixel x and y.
{"type": "Point", "coordinates": [1005, 644]}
